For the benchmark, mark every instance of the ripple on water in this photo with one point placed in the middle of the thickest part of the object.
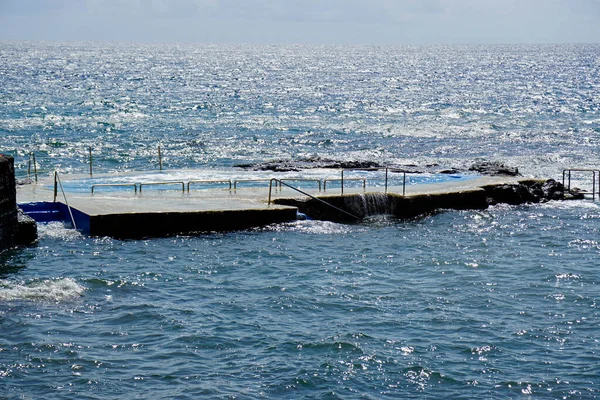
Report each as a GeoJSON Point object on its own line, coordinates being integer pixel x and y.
{"type": "Point", "coordinates": [497, 303]}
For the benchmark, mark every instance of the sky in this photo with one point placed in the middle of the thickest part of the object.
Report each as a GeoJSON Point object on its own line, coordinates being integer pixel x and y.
{"type": "Point", "coordinates": [303, 21]}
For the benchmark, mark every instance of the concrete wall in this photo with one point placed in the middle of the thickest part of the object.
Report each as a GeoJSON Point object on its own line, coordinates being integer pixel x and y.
{"type": "Point", "coordinates": [144, 225]}
{"type": "Point", "coordinates": [362, 205]}
{"type": "Point", "coordinates": [8, 203]}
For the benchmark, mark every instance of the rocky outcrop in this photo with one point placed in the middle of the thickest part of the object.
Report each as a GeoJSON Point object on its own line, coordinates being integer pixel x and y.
{"type": "Point", "coordinates": [484, 167]}
{"type": "Point", "coordinates": [529, 191]}
{"type": "Point", "coordinates": [493, 168]}
{"type": "Point", "coordinates": [299, 165]}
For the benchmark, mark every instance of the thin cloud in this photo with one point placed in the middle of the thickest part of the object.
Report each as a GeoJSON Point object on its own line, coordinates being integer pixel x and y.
{"type": "Point", "coordinates": [304, 21]}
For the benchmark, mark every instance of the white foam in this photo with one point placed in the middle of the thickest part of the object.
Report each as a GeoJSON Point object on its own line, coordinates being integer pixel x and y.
{"type": "Point", "coordinates": [57, 230]}
{"type": "Point", "coordinates": [318, 227]}
{"type": "Point", "coordinates": [53, 290]}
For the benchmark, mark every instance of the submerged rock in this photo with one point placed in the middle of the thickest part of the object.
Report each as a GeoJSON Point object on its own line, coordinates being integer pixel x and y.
{"type": "Point", "coordinates": [493, 168]}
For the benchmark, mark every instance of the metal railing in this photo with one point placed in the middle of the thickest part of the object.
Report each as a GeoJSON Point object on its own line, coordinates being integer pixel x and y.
{"type": "Point", "coordinates": [301, 180]}
{"type": "Point", "coordinates": [235, 182]}
{"type": "Point", "coordinates": [210, 181]}
{"type": "Point", "coordinates": [567, 173]}
{"type": "Point", "coordinates": [322, 184]}
{"type": "Point", "coordinates": [140, 185]}
{"type": "Point", "coordinates": [342, 180]}
{"type": "Point", "coordinates": [306, 194]}
{"type": "Point", "coordinates": [57, 182]}
{"type": "Point", "coordinates": [30, 166]}
{"type": "Point", "coordinates": [32, 161]}
{"type": "Point", "coordinates": [135, 188]}
{"type": "Point", "coordinates": [386, 182]}
{"type": "Point", "coordinates": [163, 183]}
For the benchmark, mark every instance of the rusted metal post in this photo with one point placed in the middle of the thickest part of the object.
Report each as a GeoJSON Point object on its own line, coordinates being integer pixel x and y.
{"type": "Point", "coordinates": [159, 158]}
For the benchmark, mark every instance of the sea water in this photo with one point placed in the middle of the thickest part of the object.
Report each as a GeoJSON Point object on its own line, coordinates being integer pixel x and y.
{"type": "Point", "coordinates": [500, 303]}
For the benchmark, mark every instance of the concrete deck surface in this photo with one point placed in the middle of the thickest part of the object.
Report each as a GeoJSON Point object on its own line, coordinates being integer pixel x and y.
{"type": "Point", "coordinates": [153, 200]}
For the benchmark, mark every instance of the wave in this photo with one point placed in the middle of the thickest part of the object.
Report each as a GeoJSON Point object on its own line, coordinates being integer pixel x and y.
{"type": "Point", "coordinates": [47, 290]}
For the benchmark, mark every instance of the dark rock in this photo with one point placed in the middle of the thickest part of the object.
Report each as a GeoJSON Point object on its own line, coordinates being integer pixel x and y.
{"type": "Point", "coordinates": [275, 167]}
{"type": "Point", "coordinates": [574, 194]}
{"type": "Point", "coordinates": [529, 191]}
{"type": "Point", "coordinates": [294, 166]}
{"type": "Point", "coordinates": [493, 168]}
{"type": "Point", "coordinates": [509, 194]}
{"type": "Point", "coordinates": [450, 171]}
{"type": "Point", "coordinates": [26, 232]}
{"type": "Point", "coordinates": [553, 190]}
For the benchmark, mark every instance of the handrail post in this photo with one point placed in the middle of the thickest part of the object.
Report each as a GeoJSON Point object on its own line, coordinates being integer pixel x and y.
{"type": "Point", "coordinates": [91, 172]}
{"type": "Point", "coordinates": [386, 180]}
{"type": "Point", "coordinates": [342, 181]}
{"type": "Point", "coordinates": [404, 184]}
{"type": "Point", "coordinates": [34, 168]}
{"type": "Point", "coordinates": [159, 158]}
{"type": "Point", "coordinates": [66, 201]}
{"type": "Point", "coordinates": [55, 185]}
{"type": "Point", "coordinates": [594, 187]}
{"type": "Point", "coordinates": [270, 187]}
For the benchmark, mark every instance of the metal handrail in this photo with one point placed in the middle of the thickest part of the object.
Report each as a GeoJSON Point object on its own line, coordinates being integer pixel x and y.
{"type": "Point", "coordinates": [387, 171]}
{"type": "Point", "coordinates": [306, 194]}
{"type": "Point", "coordinates": [32, 155]}
{"type": "Point", "coordinates": [302, 180]}
{"type": "Point", "coordinates": [228, 181]}
{"type": "Point", "coordinates": [342, 180]}
{"type": "Point", "coordinates": [57, 180]}
{"type": "Point", "coordinates": [164, 183]}
{"type": "Point", "coordinates": [593, 171]}
{"type": "Point", "coordinates": [399, 171]}
{"type": "Point", "coordinates": [235, 182]}
{"type": "Point", "coordinates": [115, 184]}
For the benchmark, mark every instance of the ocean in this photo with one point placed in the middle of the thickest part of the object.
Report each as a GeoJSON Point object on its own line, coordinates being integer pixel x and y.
{"type": "Point", "coordinates": [497, 304]}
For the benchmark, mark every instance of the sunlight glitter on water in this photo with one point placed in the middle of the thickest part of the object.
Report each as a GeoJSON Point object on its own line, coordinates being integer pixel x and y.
{"type": "Point", "coordinates": [497, 303]}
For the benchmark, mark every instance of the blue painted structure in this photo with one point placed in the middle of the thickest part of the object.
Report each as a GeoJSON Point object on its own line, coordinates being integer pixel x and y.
{"type": "Point", "coordinates": [48, 211]}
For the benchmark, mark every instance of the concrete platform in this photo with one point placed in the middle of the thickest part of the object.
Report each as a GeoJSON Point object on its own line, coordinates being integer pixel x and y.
{"type": "Point", "coordinates": [154, 212]}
